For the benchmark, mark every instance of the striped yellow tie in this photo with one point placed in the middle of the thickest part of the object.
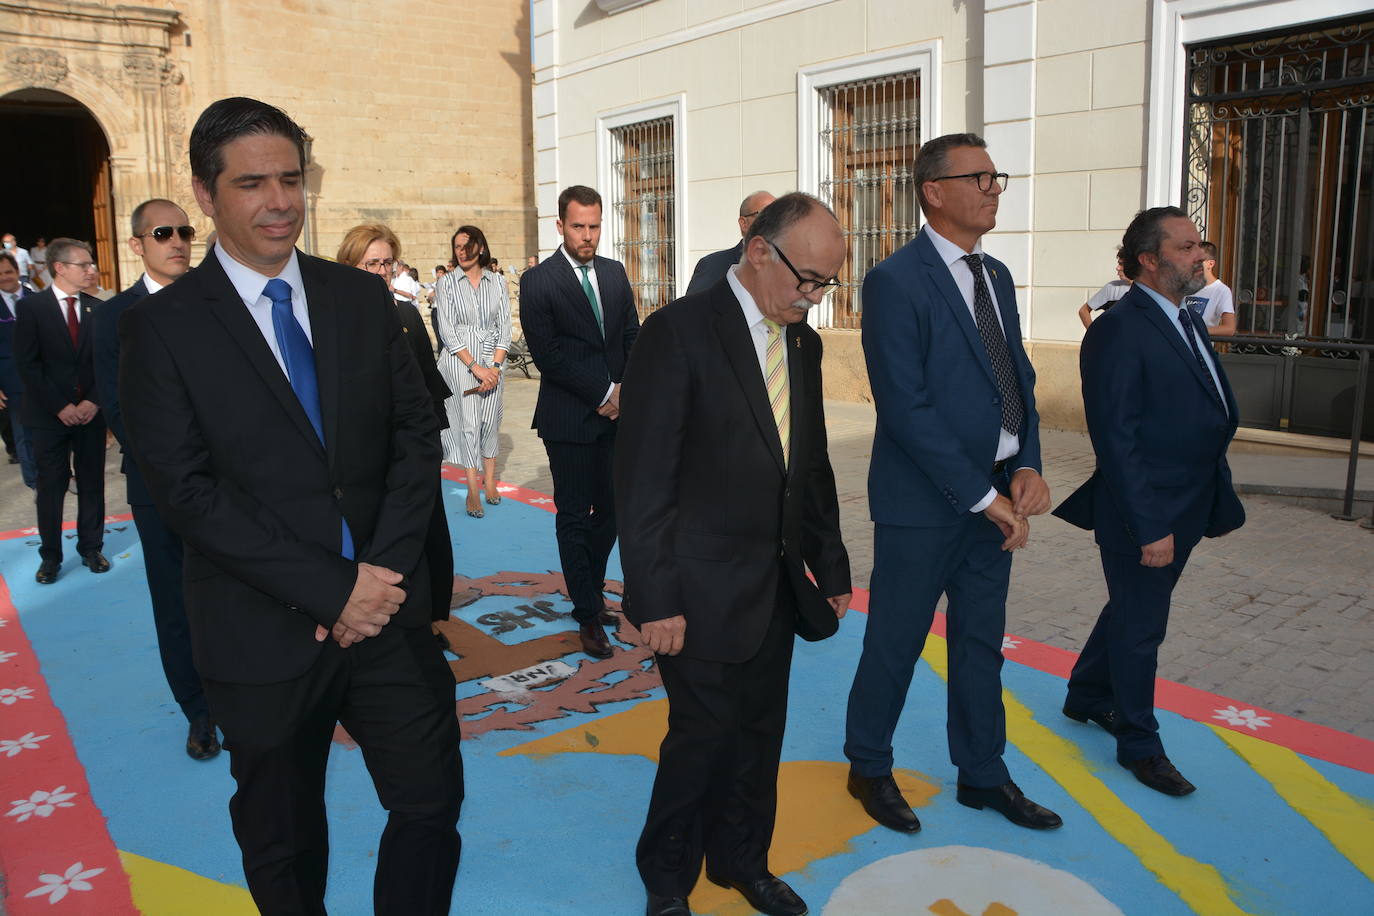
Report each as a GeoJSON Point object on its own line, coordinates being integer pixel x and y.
{"type": "Point", "coordinates": [778, 395]}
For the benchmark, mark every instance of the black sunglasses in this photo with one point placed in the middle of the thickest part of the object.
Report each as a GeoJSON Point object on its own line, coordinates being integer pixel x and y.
{"type": "Point", "coordinates": [163, 233]}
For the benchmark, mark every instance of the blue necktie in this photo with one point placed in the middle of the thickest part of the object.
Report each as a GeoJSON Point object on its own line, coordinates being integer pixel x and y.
{"type": "Point", "coordinates": [299, 357]}
{"type": "Point", "coordinates": [1185, 320]}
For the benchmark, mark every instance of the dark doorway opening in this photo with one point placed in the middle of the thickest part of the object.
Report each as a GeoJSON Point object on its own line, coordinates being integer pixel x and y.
{"type": "Point", "coordinates": [58, 162]}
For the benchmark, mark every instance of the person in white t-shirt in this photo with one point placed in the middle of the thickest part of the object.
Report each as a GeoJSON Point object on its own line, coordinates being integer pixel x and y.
{"type": "Point", "coordinates": [1105, 297]}
{"type": "Point", "coordinates": [404, 287]}
{"type": "Point", "coordinates": [1213, 303]}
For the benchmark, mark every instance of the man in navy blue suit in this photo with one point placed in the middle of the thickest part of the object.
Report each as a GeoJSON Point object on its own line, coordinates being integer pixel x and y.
{"type": "Point", "coordinates": [1161, 414]}
{"type": "Point", "coordinates": [711, 269]}
{"type": "Point", "coordinates": [954, 475]}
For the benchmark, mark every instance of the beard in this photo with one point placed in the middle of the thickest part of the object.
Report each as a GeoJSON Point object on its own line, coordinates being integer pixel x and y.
{"type": "Point", "coordinates": [1179, 282]}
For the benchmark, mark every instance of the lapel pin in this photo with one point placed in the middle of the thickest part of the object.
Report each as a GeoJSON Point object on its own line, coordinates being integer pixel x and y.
{"type": "Point", "coordinates": [796, 342]}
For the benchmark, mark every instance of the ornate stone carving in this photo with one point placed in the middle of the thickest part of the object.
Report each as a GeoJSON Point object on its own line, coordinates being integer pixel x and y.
{"type": "Point", "coordinates": [36, 66]}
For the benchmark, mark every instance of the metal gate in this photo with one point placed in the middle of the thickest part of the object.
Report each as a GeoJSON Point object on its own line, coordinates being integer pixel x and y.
{"type": "Point", "coordinates": [1278, 172]}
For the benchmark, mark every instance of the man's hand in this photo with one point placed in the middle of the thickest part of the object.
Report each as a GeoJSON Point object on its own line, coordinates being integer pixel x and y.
{"type": "Point", "coordinates": [342, 635]}
{"type": "Point", "coordinates": [615, 397]}
{"type": "Point", "coordinates": [664, 637]}
{"type": "Point", "coordinates": [69, 415]}
{"type": "Point", "coordinates": [87, 411]}
{"type": "Point", "coordinates": [1011, 523]}
{"type": "Point", "coordinates": [840, 603]}
{"type": "Point", "coordinates": [609, 410]}
{"type": "Point", "coordinates": [1030, 495]}
{"type": "Point", "coordinates": [1158, 553]}
{"type": "Point", "coordinates": [375, 598]}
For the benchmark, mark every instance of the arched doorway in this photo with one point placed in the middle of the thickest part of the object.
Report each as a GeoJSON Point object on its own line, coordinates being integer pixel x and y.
{"type": "Point", "coordinates": [58, 165]}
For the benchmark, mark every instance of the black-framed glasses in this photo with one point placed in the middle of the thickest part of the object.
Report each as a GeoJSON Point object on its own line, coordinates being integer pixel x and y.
{"type": "Point", "coordinates": [164, 233]}
{"type": "Point", "coordinates": [805, 285]}
{"type": "Point", "coordinates": [373, 264]}
{"type": "Point", "coordinates": [984, 180]}
{"type": "Point", "coordinates": [750, 215]}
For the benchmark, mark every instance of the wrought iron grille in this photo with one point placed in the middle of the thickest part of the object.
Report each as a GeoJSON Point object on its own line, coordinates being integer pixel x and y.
{"type": "Point", "coordinates": [869, 132]}
{"type": "Point", "coordinates": [642, 186]}
{"type": "Point", "coordinates": [1278, 172]}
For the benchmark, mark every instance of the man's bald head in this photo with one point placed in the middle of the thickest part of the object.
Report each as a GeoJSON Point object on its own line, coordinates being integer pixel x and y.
{"type": "Point", "coordinates": [751, 207]}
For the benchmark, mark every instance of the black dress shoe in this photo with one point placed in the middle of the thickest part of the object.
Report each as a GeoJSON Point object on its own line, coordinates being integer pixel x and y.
{"type": "Point", "coordinates": [201, 741]}
{"type": "Point", "coordinates": [1011, 803]}
{"type": "Point", "coordinates": [95, 561]}
{"type": "Point", "coordinates": [883, 801]}
{"type": "Point", "coordinates": [608, 618]}
{"type": "Point", "coordinates": [1161, 775]}
{"type": "Point", "coordinates": [1106, 719]}
{"type": "Point", "coordinates": [47, 572]}
{"type": "Point", "coordinates": [769, 895]}
{"type": "Point", "coordinates": [667, 906]}
{"type": "Point", "coordinates": [594, 641]}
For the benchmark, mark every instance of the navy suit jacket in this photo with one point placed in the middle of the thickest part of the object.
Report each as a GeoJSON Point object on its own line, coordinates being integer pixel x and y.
{"type": "Point", "coordinates": [1158, 431]}
{"type": "Point", "coordinates": [10, 382]}
{"type": "Point", "coordinates": [106, 324]}
{"type": "Point", "coordinates": [54, 372]}
{"type": "Point", "coordinates": [711, 269]}
{"type": "Point", "coordinates": [937, 402]}
{"type": "Point", "coordinates": [576, 363]}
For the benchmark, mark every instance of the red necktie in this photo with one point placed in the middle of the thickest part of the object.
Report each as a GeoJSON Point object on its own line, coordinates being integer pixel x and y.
{"type": "Point", "coordinates": [73, 327]}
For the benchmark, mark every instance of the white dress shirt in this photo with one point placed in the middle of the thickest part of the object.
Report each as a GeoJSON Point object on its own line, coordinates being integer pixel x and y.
{"type": "Point", "coordinates": [758, 331]}
{"type": "Point", "coordinates": [150, 284]}
{"type": "Point", "coordinates": [62, 297]}
{"type": "Point", "coordinates": [1008, 444]}
{"type": "Point", "coordinates": [1171, 315]}
{"type": "Point", "coordinates": [596, 291]}
{"type": "Point", "coordinates": [249, 284]}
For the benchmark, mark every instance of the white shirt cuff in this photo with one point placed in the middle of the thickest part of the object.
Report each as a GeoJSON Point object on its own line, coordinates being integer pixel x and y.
{"type": "Point", "coordinates": [608, 395]}
{"type": "Point", "coordinates": [985, 501]}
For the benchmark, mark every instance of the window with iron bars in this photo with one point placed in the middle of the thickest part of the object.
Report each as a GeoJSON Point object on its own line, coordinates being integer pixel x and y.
{"type": "Point", "coordinates": [869, 132]}
{"type": "Point", "coordinates": [643, 176]}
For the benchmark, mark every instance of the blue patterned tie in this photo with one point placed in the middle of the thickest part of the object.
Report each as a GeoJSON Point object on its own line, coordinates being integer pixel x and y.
{"type": "Point", "coordinates": [299, 357]}
{"type": "Point", "coordinates": [1185, 320]}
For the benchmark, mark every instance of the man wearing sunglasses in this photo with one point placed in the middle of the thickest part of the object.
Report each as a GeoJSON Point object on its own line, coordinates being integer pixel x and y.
{"type": "Point", "coordinates": [954, 475]}
{"type": "Point", "coordinates": [161, 237]}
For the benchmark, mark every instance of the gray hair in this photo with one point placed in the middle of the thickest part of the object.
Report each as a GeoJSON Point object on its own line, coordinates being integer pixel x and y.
{"type": "Point", "coordinates": [59, 249]}
{"type": "Point", "coordinates": [777, 218]}
{"type": "Point", "coordinates": [932, 159]}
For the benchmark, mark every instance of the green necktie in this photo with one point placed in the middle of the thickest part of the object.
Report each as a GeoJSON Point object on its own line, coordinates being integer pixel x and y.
{"type": "Point", "coordinates": [591, 297]}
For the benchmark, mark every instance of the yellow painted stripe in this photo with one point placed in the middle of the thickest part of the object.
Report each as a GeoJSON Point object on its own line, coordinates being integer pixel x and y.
{"type": "Point", "coordinates": [160, 889]}
{"type": "Point", "coordinates": [1198, 884]}
{"type": "Point", "coordinates": [1345, 821]}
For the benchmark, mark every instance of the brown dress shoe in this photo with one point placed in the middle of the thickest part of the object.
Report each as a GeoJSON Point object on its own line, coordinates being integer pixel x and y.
{"type": "Point", "coordinates": [594, 641]}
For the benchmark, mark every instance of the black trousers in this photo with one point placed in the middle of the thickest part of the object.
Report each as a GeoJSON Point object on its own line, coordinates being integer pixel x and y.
{"type": "Point", "coordinates": [395, 695]}
{"type": "Point", "coordinates": [162, 555]}
{"type": "Point", "coordinates": [439, 554]}
{"type": "Point", "coordinates": [716, 792]}
{"type": "Point", "coordinates": [1116, 669]}
{"type": "Point", "coordinates": [584, 498]}
{"type": "Point", "coordinates": [57, 452]}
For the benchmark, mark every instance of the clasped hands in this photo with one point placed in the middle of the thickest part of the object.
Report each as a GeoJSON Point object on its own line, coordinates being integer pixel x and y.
{"type": "Point", "coordinates": [665, 637]}
{"type": "Point", "coordinates": [487, 376]}
{"type": "Point", "coordinates": [611, 408]}
{"type": "Point", "coordinates": [376, 597]}
{"type": "Point", "coordinates": [78, 414]}
{"type": "Point", "coordinates": [1030, 495]}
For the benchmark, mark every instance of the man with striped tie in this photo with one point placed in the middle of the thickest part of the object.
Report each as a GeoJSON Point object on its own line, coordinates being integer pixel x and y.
{"type": "Point", "coordinates": [725, 500]}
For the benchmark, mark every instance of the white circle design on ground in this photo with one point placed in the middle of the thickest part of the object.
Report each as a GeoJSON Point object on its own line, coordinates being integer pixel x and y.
{"type": "Point", "coordinates": [965, 880]}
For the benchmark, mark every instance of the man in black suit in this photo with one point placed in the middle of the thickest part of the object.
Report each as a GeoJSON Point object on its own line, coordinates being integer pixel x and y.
{"type": "Point", "coordinates": [162, 237]}
{"type": "Point", "coordinates": [579, 318]}
{"type": "Point", "coordinates": [52, 348]}
{"type": "Point", "coordinates": [12, 289]}
{"type": "Point", "coordinates": [1161, 415]}
{"type": "Point", "coordinates": [711, 269]}
{"type": "Point", "coordinates": [276, 411]}
{"type": "Point", "coordinates": [726, 500]}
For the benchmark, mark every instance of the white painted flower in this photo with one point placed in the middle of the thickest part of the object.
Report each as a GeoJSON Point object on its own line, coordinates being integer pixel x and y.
{"type": "Point", "coordinates": [505, 489]}
{"type": "Point", "coordinates": [540, 500]}
{"type": "Point", "coordinates": [9, 696]}
{"type": "Point", "coordinates": [1009, 643]}
{"type": "Point", "coordinates": [6, 656]}
{"type": "Point", "coordinates": [4, 621]}
{"type": "Point", "coordinates": [28, 742]}
{"type": "Point", "coordinates": [41, 804]}
{"type": "Point", "coordinates": [1243, 717]}
{"type": "Point", "coordinates": [55, 887]}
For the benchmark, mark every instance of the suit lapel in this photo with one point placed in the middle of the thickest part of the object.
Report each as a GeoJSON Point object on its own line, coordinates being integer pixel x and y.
{"type": "Point", "coordinates": [608, 280]}
{"type": "Point", "coordinates": [1155, 316]}
{"type": "Point", "coordinates": [939, 271]}
{"type": "Point", "coordinates": [324, 334]}
{"type": "Point", "coordinates": [85, 303]}
{"type": "Point", "coordinates": [571, 279]}
{"type": "Point", "coordinates": [739, 351]}
{"type": "Point", "coordinates": [796, 392]}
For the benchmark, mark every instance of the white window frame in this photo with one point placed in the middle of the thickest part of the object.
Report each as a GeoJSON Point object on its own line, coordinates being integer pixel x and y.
{"type": "Point", "coordinates": [674, 107]}
{"type": "Point", "coordinates": [923, 57]}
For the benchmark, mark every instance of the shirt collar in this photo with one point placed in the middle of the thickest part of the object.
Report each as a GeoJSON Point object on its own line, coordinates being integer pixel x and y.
{"type": "Point", "coordinates": [752, 315]}
{"type": "Point", "coordinates": [248, 283]}
{"type": "Point", "coordinates": [150, 284]}
{"type": "Point", "coordinates": [574, 261]}
{"type": "Point", "coordinates": [1169, 308]}
{"type": "Point", "coordinates": [947, 250]}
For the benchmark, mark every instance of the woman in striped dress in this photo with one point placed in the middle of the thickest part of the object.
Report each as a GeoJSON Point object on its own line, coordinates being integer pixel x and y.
{"type": "Point", "coordinates": [474, 324]}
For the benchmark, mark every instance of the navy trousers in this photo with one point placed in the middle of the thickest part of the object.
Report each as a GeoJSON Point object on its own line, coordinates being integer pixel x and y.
{"type": "Point", "coordinates": [912, 568]}
{"type": "Point", "coordinates": [1116, 669]}
{"type": "Point", "coordinates": [584, 497]}
{"type": "Point", "coordinates": [162, 555]}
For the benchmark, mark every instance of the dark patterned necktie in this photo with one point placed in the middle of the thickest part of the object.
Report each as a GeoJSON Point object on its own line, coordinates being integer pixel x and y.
{"type": "Point", "coordinates": [995, 342]}
{"type": "Point", "coordinates": [1185, 319]}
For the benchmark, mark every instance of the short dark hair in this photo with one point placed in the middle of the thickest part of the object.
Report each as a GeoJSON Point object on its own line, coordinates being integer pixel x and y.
{"type": "Point", "coordinates": [58, 249]}
{"type": "Point", "coordinates": [587, 197]}
{"type": "Point", "coordinates": [476, 236]}
{"type": "Point", "coordinates": [6, 256]}
{"type": "Point", "coordinates": [440, 267]}
{"type": "Point", "coordinates": [1143, 236]}
{"type": "Point", "coordinates": [1210, 249]}
{"type": "Point", "coordinates": [932, 159]}
{"type": "Point", "coordinates": [136, 220]}
{"type": "Point", "coordinates": [226, 121]}
{"type": "Point", "coordinates": [782, 214]}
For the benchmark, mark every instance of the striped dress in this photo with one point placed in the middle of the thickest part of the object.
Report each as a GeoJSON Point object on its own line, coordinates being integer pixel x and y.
{"type": "Point", "coordinates": [476, 320]}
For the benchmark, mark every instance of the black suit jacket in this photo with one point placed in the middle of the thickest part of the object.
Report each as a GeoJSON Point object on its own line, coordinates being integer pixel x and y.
{"type": "Point", "coordinates": [711, 269]}
{"type": "Point", "coordinates": [1158, 431]}
{"type": "Point", "coordinates": [704, 505]}
{"type": "Point", "coordinates": [106, 327]}
{"type": "Point", "coordinates": [414, 327]}
{"type": "Point", "coordinates": [54, 372]}
{"type": "Point", "coordinates": [576, 363]}
{"type": "Point", "coordinates": [236, 469]}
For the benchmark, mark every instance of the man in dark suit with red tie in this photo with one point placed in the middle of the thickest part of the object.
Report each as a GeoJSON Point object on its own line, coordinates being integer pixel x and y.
{"type": "Point", "coordinates": [60, 413]}
{"type": "Point", "coordinates": [281, 423]}
{"type": "Point", "coordinates": [579, 318]}
{"type": "Point", "coordinates": [727, 500]}
{"type": "Point", "coordinates": [1161, 415]}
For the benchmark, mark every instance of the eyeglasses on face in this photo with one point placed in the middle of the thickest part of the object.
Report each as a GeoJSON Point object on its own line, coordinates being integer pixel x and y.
{"type": "Point", "coordinates": [164, 233]}
{"type": "Point", "coordinates": [81, 265]}
{"type": "Point", "coordinates": [805, 285]}
{"type": "Point", "coordinates": [375, 264]}
{"type": "Point", "coordinates": [984, 180]}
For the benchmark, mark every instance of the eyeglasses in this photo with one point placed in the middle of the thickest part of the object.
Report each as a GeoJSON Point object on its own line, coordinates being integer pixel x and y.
{"type": "Point", "coordinates": [805, 285]}
{"type": "Point", "coordinates": [164, 233]}
{"type": "Point", "coordinates": [750, 215]}
{"type": "Point", "coordinates": [983, 179]}
{"type": "Point", "coordinates": [374, 263]}
{"type": "Point", "coordinates": [82, 265]}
